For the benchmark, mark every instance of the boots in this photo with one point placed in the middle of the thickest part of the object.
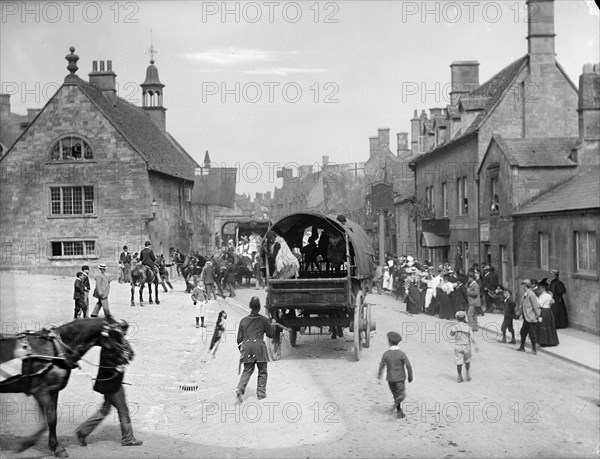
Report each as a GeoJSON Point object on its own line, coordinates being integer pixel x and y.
{"type": "Point", "coordinates": [503, 340]}
{"type": "Point", "coordinates": [533, 350]}
{"type": "Point", "coordinates": [513, 341]}
{"type": "Point", "coordinates": [202, 323]}
{"type": "Point", "coordinates": [197, 322]}
{"type": "Point", "coordinates": [127, 438]}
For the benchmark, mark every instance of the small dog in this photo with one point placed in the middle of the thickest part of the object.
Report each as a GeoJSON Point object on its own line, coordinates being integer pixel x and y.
{"type": "Point", "coordinates": [219, 330]}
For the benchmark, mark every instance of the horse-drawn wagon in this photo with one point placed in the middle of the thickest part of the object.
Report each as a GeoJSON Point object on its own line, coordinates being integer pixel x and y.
{"type": "Point", "coordinates": [329, 289]}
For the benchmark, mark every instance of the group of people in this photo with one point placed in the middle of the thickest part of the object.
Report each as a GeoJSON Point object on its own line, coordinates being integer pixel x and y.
{"type": "Point", "coordinates": [81, 292]}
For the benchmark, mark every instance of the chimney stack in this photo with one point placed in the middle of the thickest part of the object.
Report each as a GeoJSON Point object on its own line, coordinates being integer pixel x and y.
{"type": "Point", "coordinates": [325, 160]}
{"type": "Point", "coordinates": [464, 77]}
{"type": "Point", "coordinates": [4, 105]}
{"type": "Point", "coordinates": [540, 35]}
{"type": "Point", "coordinates": [402, 141]}
{"type": "Point", "coordinates": [104, 80]}
{"type": "Point", "coordinates": [373, 145]}
{"type": "Point", "coordinates": [588, 150]}
{"type": "Point", "coordinates": [415, 132]}
{"type": "Point", "coordinates": [383, 135]}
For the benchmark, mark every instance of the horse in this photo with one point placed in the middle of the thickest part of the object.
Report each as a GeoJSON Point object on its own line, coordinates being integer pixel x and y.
{"type": "Point", "coordinates": [164, 273]}
{"type": "Point", "coordinates": [141, 275]}
{"type": "Point", "coordinates": [48, 356]}
{"type": "Point", "coordinates": [192, 267]}
{"type": "Point", "coordinates": [243, 270]}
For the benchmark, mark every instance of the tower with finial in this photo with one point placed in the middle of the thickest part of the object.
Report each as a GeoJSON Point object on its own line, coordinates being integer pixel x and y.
{"type": "Point", "coordinates": [206, 160]}
{"type": "Point", "coordinates": [152, 92]}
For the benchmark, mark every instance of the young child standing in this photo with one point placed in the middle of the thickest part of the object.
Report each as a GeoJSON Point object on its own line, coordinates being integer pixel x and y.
{"type": "Point", "coordinates": [508, 307]}
{"type": "Point", "coordinates": [463, 337]}
{"type": "Point", "coordinates": [395, 360]}
{"type": "Point", "coordinates": [79, 296]}
{"type": "Point", "coordinates": [199, 295]}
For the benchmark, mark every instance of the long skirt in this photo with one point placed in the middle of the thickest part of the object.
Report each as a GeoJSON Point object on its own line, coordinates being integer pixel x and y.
{"type": "Point", "coordinates": [446, 305]}
{"type": "Point", "coordinates": [414, 302]}
{"type": "Point", "coordinates": [547, 335]}
{"type": "Point", "coordinates": [559, 309]}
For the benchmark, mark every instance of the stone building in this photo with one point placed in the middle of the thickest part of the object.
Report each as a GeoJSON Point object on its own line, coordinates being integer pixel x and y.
{"type": "Point", "coordinates": [531, 98]}
{"type": "Point", "coordinates": [92, 173]}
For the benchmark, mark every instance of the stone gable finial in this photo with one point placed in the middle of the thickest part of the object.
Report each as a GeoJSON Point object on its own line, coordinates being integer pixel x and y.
{"type": "Point", "coordinates": [72, 59]}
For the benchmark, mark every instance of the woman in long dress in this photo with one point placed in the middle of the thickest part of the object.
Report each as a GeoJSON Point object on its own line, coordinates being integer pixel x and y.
{"type": "Point", "coordinates": [414, 304]}
{"type": "Point", "coordinates": [445, 298]}
{"type": "Point", "coordinates": [559, 308]}
{"type": "Point", "coordinates": [547, 335]}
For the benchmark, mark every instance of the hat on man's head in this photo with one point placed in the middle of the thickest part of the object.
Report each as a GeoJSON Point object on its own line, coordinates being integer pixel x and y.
{"type": "Point", "coordinates": [526, 283]}
{"type": "Point", "coordinates": [460, 314]}
{"type": "Point", "coordinates": [79, 274]}
{"type": "Point", "coordinates": [410, 259]}
{"type": "Point", "coordinates": [84, 267]}
{"type": "Point", "coordinates": [147, 244]}
{"type": "Point", "coordinates": [102, 266]}
{"type": "Point", "coordinates": [394, 337]}
{"type": "Point", "coordinates": [555, 271]}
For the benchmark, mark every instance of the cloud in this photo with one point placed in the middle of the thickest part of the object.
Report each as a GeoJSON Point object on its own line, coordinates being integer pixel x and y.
{"type": "Point", "coordinates": [282, 71]}
{"type": "Point", "coordinates": [231, 56]}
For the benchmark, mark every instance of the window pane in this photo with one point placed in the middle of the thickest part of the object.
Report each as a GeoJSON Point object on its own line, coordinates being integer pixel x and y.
{"type": "Point", "coordinates": [592, 252]}
{"type": "Point", "coordinates": [78, 248]}
{"type": "Point", "coordinates": [77, 200]}
{"type": "Point", "coordinates": [55, 201]}
{"type": "Point", "coordinates": [67, 200]}
{"type": "Point", "coordinates": [87, 151]}
{"type": "Point", "coordinates": [89, 199]}
{"type": "Point", "coordinates": [56, 152]}
{"type": "Point", "coordinates": [67, 248]}
{"type": "Point", "coordinates": [90, 248]}
{"type": "Point", "coordinates": [56, 249]}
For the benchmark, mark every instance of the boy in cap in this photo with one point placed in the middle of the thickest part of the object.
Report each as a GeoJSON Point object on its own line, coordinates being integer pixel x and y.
{"type": "Point", "coordinates": [463, 337]}
{"type": "Point", "coordinates": [79, 297]}
{"type": "Point", "coordinates": [199, 294]}
{"type": "Point", "coordinates": [508, 307]}
{"type": "Point", "coordinates": [395, 360]}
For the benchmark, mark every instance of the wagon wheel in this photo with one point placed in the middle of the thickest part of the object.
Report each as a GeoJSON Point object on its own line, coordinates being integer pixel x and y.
{"type": "Point", "coordinates": [274, 344]}
{"type": "Point", "coordinates": [293, 336]}
{"type": "Point", "coordinates": [358, 312]}
{"type": "Point", "coordinates": [367, 318]}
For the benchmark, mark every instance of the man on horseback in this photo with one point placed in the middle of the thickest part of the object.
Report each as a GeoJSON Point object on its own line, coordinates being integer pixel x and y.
{"type": "Point", "coordinates": [148, 258]}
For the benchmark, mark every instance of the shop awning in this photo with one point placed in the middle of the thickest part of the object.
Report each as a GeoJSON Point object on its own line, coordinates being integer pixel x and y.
{"type": "Point", "coordinates": [431, 240]}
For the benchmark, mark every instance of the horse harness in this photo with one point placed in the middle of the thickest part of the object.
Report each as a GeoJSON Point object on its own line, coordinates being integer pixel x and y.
{"type": "Point", "coordinates": [64, 357]}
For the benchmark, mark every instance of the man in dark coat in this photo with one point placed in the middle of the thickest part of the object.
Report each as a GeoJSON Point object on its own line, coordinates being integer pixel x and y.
{"type": "Point", "coordinates": [85, 281]}
{"type": "Point", "coordinates": [79, 297]}
{"type": "Point", "coordinates": [229, 278]}
{"type": "Point", "coordinates": [489, 282]}
{"type": "Point", "coordinates": [125, 265]}
{"type": "Point", "coordinates": [559, 308]}
{"type": "Point", "coordinates": [148, 258]}
{"type": "Point", "coordinates": [109, 382]}
{"type": "Point", "coordinates": [253, 349]}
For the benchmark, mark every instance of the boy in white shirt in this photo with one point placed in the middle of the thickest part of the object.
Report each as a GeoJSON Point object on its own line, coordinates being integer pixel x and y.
{"type": "Point", "coordinates": [463, 337]}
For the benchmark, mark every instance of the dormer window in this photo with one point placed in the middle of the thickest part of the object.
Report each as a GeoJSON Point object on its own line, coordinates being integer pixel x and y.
{"type": "Point", "coordinates": [71, 148]}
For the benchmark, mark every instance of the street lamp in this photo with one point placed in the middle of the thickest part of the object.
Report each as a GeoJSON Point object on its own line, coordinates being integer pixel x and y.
{"type": "Point", "coordinates": [154, 207]}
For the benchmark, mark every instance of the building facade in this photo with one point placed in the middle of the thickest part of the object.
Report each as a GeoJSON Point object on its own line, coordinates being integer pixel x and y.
{"type": "Point", "coordinates": [91, 173]}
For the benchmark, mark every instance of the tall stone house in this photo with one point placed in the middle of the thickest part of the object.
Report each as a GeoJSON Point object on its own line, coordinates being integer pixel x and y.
{"type": "Point", "coordinates": [530, 99]}
{"type": "Point", "coordinates": [91, 173]}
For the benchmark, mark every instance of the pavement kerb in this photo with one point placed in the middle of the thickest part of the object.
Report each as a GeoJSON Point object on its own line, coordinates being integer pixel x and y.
{"type": "Point", "coordinates": [545, 351]}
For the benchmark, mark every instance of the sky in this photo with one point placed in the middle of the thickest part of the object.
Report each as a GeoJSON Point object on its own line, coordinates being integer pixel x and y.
{"type": "Point", "coordinates": [264, 85]}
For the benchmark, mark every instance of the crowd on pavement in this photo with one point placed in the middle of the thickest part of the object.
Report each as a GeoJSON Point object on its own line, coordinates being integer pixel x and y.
{"type": "Point", "coordinates": [444, 290]}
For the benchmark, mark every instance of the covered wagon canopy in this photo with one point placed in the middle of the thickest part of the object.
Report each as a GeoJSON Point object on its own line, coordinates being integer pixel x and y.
{"type": "Point", "coordinates": [292, 228]}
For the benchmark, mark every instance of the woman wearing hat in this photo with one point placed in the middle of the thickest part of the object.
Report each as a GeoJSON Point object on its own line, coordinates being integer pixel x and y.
{"type": "Point", "coordinates": [547, 335]}
{"type": "Point", "coordinates": [559, 308]}
{"type": "Point", "coordinates": [414, 301]}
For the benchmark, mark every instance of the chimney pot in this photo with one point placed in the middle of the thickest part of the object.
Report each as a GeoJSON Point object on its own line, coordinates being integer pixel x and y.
{"type": "Point", "coordinates": [109, 66]}
{"type": "Point", "coordinates": [94, 66]}
{"type": "Point", "coordinates": [102, 66]}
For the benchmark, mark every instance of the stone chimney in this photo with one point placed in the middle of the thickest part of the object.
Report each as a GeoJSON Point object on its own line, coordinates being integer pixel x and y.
{"type": "Point", "coordinates": [373, 145]}
{"type": "Point", "coordinates": [464, 79]}
{"type": "Point", "coordinates": [415, 132]}
{"type": "Point", "coordinates": [588, 150]}
{"type": "Point", "coordinates": [436, 112]}
{"type": "Point", "coordinates": [540, 36]}
{"type": "Point", "coordinates": [325, 160]}
{"type": "Point", "coordinates": [4, 105]}
{"type": "Point", "coordinates": [383, 135]}
{"type": "Point", "coordinates": [402, 142]}
{"type": "Point", "coordinates": [268, 196]}
{"type": "Point", "coordinates": [104, 79]}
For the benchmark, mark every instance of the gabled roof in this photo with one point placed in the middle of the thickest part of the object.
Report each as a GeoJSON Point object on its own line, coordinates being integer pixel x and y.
{"type": "Point", "coordinates": [545, 152]}
{"type": "Point", "coordinates": [578, 193]}
{"type": "Point", "coordinates": [160, 151]}
{"type": "Point", "coordinates": [485, 97]}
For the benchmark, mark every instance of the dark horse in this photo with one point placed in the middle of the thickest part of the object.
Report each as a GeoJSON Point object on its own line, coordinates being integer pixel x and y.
{"type": "Point", "coordinates": [48, 358]}
{"type": "Point", "coordinates": [140, 276]}
{"type": "Point", "coordinates": [192, 267]}
{"type": "Point", "coordinates": [164, 273]}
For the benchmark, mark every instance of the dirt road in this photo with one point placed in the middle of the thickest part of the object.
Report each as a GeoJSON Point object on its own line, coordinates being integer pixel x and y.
{"type": "Point", "coordinates": [320, 402]}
